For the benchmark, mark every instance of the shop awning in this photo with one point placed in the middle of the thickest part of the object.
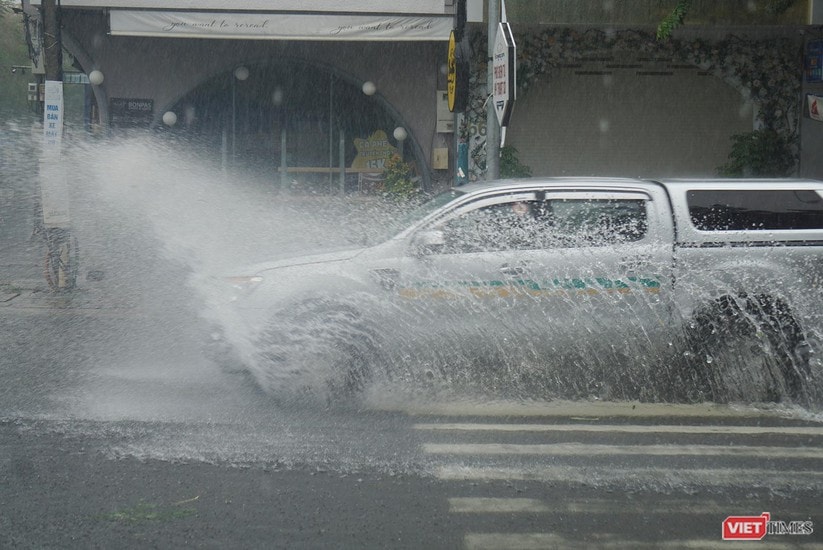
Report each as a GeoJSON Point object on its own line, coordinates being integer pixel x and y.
{"type": "Point", "coordinates": [280, 26]}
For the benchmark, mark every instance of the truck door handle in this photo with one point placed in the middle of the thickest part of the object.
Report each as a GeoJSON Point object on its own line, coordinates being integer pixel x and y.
{"type": "Point", "coordinates": [387, 277]}
{"type": "Point", "coordinates": [631, 265]}
{"type": "Point", "coordinates": [507, 269]}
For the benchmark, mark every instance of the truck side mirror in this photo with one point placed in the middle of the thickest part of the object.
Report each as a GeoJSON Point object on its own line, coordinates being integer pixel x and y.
{"type": "Point", "coordinates": [430, 241]}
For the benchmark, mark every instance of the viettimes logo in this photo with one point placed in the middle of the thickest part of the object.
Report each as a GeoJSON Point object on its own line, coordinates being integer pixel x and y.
{"type": "Point", "coordinates": [757, 527]}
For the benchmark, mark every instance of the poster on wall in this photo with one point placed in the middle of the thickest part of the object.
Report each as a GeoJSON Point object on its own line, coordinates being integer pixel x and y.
{"type": "Point", "coordinates": [815, 107]}
{"type": "Point", "coordinates": [813, 63]}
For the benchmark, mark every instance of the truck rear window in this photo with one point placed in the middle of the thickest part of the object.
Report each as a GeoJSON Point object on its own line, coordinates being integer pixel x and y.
{"type": "Point", "coordinates": [755, 210]}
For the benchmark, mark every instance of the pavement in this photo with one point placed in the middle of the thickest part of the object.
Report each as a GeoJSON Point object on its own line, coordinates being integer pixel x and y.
{"type": "Point", "coordinates": [23, 285]}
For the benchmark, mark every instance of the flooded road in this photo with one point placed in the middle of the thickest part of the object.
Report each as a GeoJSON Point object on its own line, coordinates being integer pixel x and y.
{"type": "Point", "coordinates": [118, 428]}
{"type": "Point", "coordinates": [135, 446]}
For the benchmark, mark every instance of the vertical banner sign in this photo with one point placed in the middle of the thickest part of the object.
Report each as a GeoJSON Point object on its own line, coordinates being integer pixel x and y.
{"type": "Point", "coordinates": [53, 117]}
{"type": "Point", "coordinates": [452, 72]}
{"type": "Point", "coordinates": [54, 189]}
{"type": "Point", "coordinates": [504, 68]}
{"type": "Point", "coordinates": [458, 75]}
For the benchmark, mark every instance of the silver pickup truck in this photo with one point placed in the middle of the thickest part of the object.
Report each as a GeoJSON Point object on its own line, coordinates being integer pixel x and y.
{"type": "Point", "coordinates": [574, 287]}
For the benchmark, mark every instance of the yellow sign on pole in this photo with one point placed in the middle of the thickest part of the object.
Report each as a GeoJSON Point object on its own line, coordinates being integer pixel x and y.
{"type": "Point", "coordinates": [452, 71]}
{"type": "Point", "coordinates": [457, 76]}
{"type": "Point", "coordinates": [373, 152]}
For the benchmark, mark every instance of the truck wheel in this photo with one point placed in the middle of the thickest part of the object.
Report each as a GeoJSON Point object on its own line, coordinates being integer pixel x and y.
{"type": "Point", "coordinates": [317, 347]}
{"type": "Point", "coordinates": [741, 341]}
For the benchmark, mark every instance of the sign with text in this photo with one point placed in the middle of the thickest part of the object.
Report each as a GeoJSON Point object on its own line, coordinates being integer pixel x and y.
{"type": "Point", "coordinates": [349, 6]}
{"type": "Point", "coordinates": [745, 527]}
{"type": "Point", "coordinates": [757, 527]}
{"type": "Point", "coordinates": [373, 152]}
{"type": "Point", "coordinates": [280, 26]}
{"type": "Point", "coordinates": [54, 188]}
{"type": "Point", "coordinates": [130, 112]}
{"type": "Point", "coordinates": [457, 75]}
{"type": "Point", "coordinates": [504, 71]}
{"type": "Point", "coordinates": [53, 116]}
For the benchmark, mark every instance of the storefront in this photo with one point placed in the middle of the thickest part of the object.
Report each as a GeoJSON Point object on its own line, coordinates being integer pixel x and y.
{"type": "Point", "coordinates": [290, 91]}
{"type": "Point", "coordinates": [294, 91]}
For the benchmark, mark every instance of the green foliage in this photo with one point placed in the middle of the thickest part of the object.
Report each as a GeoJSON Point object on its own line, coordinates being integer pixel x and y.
{"type": "Point", "coordinates": [681, 10]}
{"type": "Point", "coordinates": [673, 20]}
{"type": "Point", "coordinates": [397, 179]}
{"type": "Point", "coordinates": [510, 165]}
{"type": "Point", "coordinates": [763, 153]}
{"type": "Point", "coordinates": [776, 7]}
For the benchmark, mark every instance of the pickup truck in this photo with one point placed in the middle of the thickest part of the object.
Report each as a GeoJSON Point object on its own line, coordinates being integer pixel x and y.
{"type": "Point", "coordinates": [576, 287]}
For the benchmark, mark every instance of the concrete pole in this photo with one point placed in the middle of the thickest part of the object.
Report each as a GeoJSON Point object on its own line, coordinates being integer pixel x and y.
{"type": "Point", "coordinates": [52, 43]}
{"type": "Point", "coordinates": [492, 126]}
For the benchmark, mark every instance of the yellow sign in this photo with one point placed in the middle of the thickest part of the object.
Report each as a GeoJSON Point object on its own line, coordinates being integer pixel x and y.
{"type": "Point", "coordinates": [452, 72]}
{"type": "Point", "coordinates": [373, 152]}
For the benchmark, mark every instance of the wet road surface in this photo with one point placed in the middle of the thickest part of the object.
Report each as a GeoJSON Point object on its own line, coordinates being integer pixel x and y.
{"type": "Point", "coordinates": [116, 431]}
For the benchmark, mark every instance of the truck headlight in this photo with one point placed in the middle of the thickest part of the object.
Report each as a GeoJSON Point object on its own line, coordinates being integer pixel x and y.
{"type": "Point", "coordinates": [244, 283]}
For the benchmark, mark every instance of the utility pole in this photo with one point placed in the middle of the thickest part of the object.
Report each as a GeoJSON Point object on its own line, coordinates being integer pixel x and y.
{"type": "Point", "coordinates": [492, 125]}
{"type": "Point", "coordinates": [52, 41]}
{"type": "Point", "coordinates": [61, 248]}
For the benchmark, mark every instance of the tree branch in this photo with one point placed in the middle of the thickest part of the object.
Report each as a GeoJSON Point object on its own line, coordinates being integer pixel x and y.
{"type": "Point", "coordinates": [673, 20]}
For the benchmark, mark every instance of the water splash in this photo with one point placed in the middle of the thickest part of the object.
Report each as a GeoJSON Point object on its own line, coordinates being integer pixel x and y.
{"type": "Point", "coordinates": [144, 194]}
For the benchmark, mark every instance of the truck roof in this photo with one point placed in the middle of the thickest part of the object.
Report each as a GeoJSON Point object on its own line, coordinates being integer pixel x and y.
{"type": "Point", "coordinates": [739, 183]}
{"type": "Point", "coordinates": [528, 183]}
{"type": "Point", "coordinates": [669, 183]}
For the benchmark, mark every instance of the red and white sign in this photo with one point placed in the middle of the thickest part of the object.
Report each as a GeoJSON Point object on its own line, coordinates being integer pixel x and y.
{"type": "Point", "coordinates": [504, 73]}
{"type": "Point", "coordinates": [816, 107]}
{"type": "Point", "coordinates": [746, 527]}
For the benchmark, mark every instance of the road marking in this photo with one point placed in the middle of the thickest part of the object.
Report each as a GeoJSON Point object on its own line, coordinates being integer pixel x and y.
{"type": "Point", "coordinates": [115, 313]}
{"type": "Point", "coordinates": [581, 449]}
{"type": "Point", "coordinates": [622, 428]}
{"type": "Point", "coordinates": [539, 541]}
{"type": "Point", "coordinates": [584, 410]}
{"type": "Point", "coordinates": [496, 505]}
{"type": "Point", "coordinates": [588, 506]}
{"type": "Point", "coordinates": [750, 477]}
{"type": "Point", "coordinates": [512, 541]}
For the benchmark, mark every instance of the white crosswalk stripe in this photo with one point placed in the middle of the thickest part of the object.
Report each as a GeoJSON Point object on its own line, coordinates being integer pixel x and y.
{"type": "Point", "coordinates": [579, 449]}
{"type": "Point", "coordinates": [548, 541]}
{"type": "Point", "coordinates": [621, 428]}
{"type": "Point", "coordinates": [620, 448]}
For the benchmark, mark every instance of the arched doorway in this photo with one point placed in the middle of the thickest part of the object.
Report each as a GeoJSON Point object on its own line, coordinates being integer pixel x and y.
{"type": "Point", "coordinates": [302, 125]}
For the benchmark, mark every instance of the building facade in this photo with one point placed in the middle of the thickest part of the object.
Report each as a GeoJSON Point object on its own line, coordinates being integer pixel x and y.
{"type": "Point", "coordinates": [334, 88]}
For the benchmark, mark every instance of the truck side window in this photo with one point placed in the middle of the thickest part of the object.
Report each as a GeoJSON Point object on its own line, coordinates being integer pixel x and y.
{"type": "Point", "coordinates": [558, 223]}
{"type": "Point", "coordinates": [755, 210]}
{"type": "Point", "coordinates": [507, 226]}
{"type": "Point", "coordinates": [598, 222]}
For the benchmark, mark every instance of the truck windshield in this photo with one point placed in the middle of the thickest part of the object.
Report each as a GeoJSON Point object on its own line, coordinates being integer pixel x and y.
{"type": "Point", "coordinates": [411, 217]}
